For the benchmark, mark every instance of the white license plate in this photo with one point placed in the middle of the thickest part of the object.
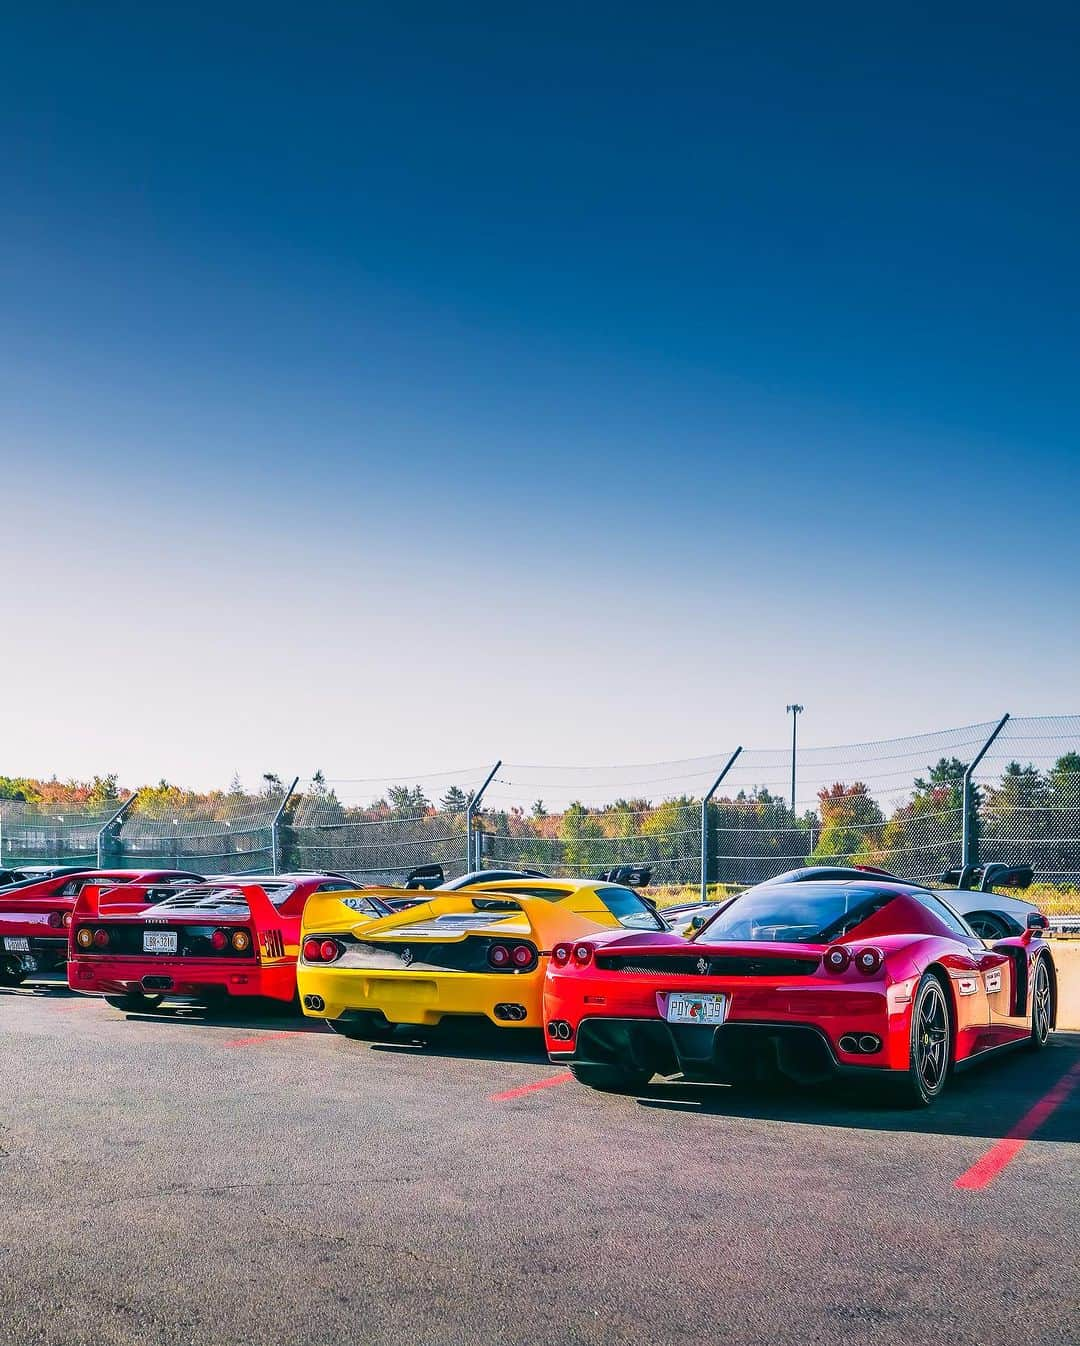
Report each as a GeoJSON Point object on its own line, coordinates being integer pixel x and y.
{"type": "Point", "coordinates": [695, 1009]}
{"type": "Point", "coordinates": [159, 941]}
{"type": "Point", "coordinates": [16, 944]}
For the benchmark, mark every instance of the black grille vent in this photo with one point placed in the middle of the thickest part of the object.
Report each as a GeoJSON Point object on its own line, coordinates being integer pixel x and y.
{"type": "Point", "coordinates": [727, 965]}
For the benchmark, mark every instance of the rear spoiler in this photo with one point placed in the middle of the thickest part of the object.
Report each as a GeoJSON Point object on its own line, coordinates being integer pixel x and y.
{"type": "Point", "coordinates": [633, 876]}
{"type": "Point", "coordinates": [985, 878]}
{"type": "Point", "coordinates": [424, 876]}
{"type": "Point", "coordinates": [97, 899]}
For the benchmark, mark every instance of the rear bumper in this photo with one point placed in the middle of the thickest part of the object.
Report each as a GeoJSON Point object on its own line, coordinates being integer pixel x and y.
{"type": "Point", "coordinates": [182, 977]}
{"type": "Point", "coordinates": [796, 1024]}
{"type": "Point", "coordinates": [423, 997]}
{"type": "Point", "coordinates": [736, 1051]}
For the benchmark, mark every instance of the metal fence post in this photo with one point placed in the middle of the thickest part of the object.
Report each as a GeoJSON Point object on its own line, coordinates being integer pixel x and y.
{"type": "Point", "coordinates": [969, 845]}
{"type": "Point", "coordinates": [469, 813]}
{"type": "Point", "coordinates": [100, 849]}
{"type": "Point", "coordinates": [705, 822]}
{"type": "Point", "coordinates": [276, 821]}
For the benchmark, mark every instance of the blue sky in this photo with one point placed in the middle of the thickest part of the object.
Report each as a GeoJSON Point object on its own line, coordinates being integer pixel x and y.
{"type": "Point", "coordinates": [392, 386]}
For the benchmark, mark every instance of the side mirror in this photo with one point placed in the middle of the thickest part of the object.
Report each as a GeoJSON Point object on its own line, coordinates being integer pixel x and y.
{"type": "Point", "coordinates": [1037, 921]}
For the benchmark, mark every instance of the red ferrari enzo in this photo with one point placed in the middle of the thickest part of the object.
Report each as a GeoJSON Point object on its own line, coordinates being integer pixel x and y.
{"type": "Point", "coordinates": [226, 937]}
{"type": "Point", "coordinates": [35, 914]}
{"type": "Point", "coordinates": [872, 979]}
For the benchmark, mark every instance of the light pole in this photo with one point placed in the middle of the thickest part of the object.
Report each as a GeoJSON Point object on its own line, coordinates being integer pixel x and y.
{"type": "Point", "coordinates": [794, 711]}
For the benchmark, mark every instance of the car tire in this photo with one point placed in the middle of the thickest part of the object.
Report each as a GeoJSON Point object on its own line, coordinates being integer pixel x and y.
{"type": "Point", "coordinates": [611, 1079]}
{"type": "Point", "coordinates": [134, 1001]}
{"type": "Point", "coordinates": [1042, 1004]}
{"type": "Point", "coordinates": [987, 926]}
{"type": "Point", "coordinates": [930, 1056]}
{"type": "Point", "coordinates": [366, 1027]}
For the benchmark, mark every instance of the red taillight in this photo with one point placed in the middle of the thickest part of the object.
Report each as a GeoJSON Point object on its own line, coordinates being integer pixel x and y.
{"type": "Point", "coordinates": [499, 955]}
{"type": "Point", "coordinates": [219, 939]}
{"type": "Point", "coordinates": [869, 961]}
{"type": "Point", "coordinates": [311, 950]}
{"type": "Point", "coordinates": [101, 939]}
{"type": "Point", "coordinates": [56, 920]}
{"type": "Point", "coordinates": [561, 954]}
{"type": "Point", "coordinates": [329, 949]}
{"type": "Point", "coordinates": [522, 955]}
{"type": "Point", "coordinates": [836, 959]}
{"type": "Point", "coordinates": [582, 954]}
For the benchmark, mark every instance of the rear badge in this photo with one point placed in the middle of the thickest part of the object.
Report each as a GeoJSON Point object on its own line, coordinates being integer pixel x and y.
{"type": "Point", "coordinates": [703, 965]}
{"type": "Point", "coordinates": [406, 956]}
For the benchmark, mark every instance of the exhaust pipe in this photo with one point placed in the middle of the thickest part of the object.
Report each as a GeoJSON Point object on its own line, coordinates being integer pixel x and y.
{"type": "Point", "coordinates": [862, 1044]}
{"type": "Point", "coordinates": [513, 1013]}
{"type": "Point", "coordinates": [314, 1002]}
{"type": "Point", "coordinates": [560, 1030]}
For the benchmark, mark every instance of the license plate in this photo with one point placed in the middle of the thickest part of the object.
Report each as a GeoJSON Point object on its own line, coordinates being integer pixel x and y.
{"type": "Point", "coordinates": [695, 1009]}
{"type": "Point", "coordinates": [16, 944]}
{"type": "Point", "coordinates": [159, 941]}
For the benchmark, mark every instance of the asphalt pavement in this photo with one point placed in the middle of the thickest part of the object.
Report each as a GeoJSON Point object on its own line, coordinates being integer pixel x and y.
{"type": "Point", "coordinates": [253, 1178]}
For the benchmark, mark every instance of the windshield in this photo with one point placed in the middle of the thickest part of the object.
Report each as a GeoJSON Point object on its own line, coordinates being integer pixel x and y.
{"type": "Point", "coordinates": [795, 914]}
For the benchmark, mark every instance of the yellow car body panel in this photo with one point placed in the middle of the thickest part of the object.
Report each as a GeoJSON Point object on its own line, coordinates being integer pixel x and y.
{"type": "Point", "coordinates": [410, 989]}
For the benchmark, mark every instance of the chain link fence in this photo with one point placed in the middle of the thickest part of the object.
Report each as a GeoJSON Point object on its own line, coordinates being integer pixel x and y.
{"type": "Point", "coordinates": [54, 834]}
{"type": "Point", "coordinates": [896, 803]}
{"type": "Point", "coordinates": [376, 830]}
{"type": "Point", "coordinates": [225, 833]}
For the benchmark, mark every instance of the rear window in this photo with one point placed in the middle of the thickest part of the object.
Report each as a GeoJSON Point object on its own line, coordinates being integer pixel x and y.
{"type": "Point", "coordinates": [795, 913]}
{"type": "Point", "coordinates": [629, 909]}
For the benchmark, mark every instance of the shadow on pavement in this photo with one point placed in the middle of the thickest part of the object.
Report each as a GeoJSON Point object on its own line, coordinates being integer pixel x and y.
{"type": "Point", "coordinates": [474, 1040]}
{"type": "Point", "coordinates": [987, 1100]}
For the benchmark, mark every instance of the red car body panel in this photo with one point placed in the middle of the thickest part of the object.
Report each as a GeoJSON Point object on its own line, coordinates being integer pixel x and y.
{"type": "Point", "coordinates": [265, 968]}
{"type": "Point", "coordinates": [40, 913]}
{"type": "Point", "coordinates": [628, 978]}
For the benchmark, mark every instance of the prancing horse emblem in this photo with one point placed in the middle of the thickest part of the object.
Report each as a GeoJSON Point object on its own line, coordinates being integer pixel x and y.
{"type": "Point", "coordinates": [702, 965]}
{"type": "Point", "coordinates": [406, 956]}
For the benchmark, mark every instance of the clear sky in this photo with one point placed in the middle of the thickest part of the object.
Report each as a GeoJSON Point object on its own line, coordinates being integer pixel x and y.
{"type": "Point", "coordinates": [389, 387]}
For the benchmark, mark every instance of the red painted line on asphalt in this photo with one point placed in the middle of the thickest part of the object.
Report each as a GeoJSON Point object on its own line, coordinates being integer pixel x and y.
{"type": "Point", "coordinates": [1000, 1156]}
{"type": "Point", "coordinates": [528, 1088]}
{"type": "Point", "coordinates": [265, 1037]}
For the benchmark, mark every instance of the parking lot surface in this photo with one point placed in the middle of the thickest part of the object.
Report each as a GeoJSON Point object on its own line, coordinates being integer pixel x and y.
{"type": "Point", "coordinates": [180, 1178]}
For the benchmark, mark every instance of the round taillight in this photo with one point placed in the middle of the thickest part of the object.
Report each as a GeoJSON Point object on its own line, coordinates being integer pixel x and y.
{"type": "Point", "coordinates": [241, 941]}
{"type": "Point", "coordinates": [84, 937]}
{"type": "Point", "coordinates": [837, 958]}
{"type": "Point", "coordinates": [868, 961]}
{"type": "Point", "coordinates": [522, 955]}
{"type": "Point", "coordinates": [311, 950]}
{"type": "Point", "coordinates": [561, 954]}
{"type": "Point", "coordinates": [582, 953]}
{"type": "Point", "coordinates": [56, 920]}
{"type": "Point", "coordinates": [328, 950]}
{"type": "Point", "coordinates": [101, 939]}
{"type": "Point", "coordinates": [219, 939]}
{"type": "Point", "coordinates": [67, 919]}
{"type": "Point", "coordinates": [498, 955]}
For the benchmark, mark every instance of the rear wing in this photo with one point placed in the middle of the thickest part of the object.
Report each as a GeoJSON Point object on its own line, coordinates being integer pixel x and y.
{"type": "Point", "coordinates": [128, 899]}
{"type": "Point", "coordinates": [985, 878]}
{"type": "Point", "coordinates": [632, 876]}
{"type": "Point", "coordinates": [425, 876]}
{"type": "Point", "coordinates": [549, 922]}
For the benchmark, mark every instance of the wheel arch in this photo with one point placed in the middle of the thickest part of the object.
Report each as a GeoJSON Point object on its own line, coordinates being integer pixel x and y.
{"type": "Point", "coordinates": [937, 971]}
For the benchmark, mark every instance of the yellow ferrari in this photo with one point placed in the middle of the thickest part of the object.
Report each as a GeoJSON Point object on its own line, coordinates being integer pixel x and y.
{"type": "Point", "coordinates": [482, 950]}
